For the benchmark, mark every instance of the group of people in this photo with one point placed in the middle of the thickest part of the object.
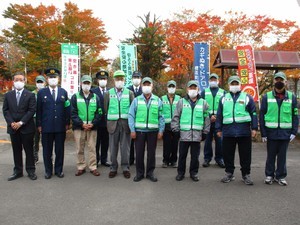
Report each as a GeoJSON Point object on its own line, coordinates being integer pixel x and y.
{"type": "Point", "coordinates": [131, 120]}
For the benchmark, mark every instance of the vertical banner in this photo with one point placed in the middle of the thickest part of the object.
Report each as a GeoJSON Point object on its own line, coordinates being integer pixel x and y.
{"type": "Point", "coordinates": [201, 63]}
{"type": "Point", "coordinates": [70, 68]}
{"type": "Point", "coordinates": [247, 70]}
{"type": "Point", "coordinates": [128, 60]}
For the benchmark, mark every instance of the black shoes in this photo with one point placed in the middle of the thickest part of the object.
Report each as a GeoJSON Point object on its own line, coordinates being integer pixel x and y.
{"type": "Point", "coordinates": [48, 176]}
{"type": "Point", "coordinates": [179, 177]}
{"type": "Point", "coordinates": [15, 176]}
{"type": "Point", "coordinates": [60, 175]}
{"type": "Point", "coordinates": [106, 164]}
{"type": "Point", "coordinates": [138, 178]}
{"type": "Point", "coordinates": [152, 178]}
{"type": "Point", "coordinates": [195, 178]}
{"type": "Point", "coordinates": [206, 163]}
{"type": "Point", "coordinates": [221, 164]}
{"type": "Point", "coordinates": [32, 176]}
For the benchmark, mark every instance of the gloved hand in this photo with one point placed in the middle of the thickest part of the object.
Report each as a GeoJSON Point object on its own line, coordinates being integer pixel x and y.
{"type": "Point", "coordinates": [264, 139]}
{"type": "Point", "coordinates": [292, 137]}
{"type": "Point", "coordinates": [203, 137]}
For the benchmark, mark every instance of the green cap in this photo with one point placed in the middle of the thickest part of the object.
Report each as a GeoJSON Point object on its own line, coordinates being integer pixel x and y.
{"type": "Point", "coordinates": [171, 82]}
{"type": "Point", "coordinates": [119, 73]}
{"type": "Point", "coordinates": [40, 78]}
{"type": "Point", "coordinates": [192, 82]}
{"type": "Point", "coordinates": [234, 78]}
{"type": "Point", "coordinates": [85, 78]}
{"type": "Point", "coordinates": [147, 79]}
{"type": "Point", "coordinates": [280, 74]}
{"type": "Point", "coordinates": [213, 75]}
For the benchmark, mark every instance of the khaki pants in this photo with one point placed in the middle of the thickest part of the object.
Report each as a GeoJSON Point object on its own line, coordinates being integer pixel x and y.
{"type": "Point", "coordinates": [81, 138]}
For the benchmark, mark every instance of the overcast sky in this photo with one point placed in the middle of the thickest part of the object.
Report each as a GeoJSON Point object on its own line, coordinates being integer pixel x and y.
{"type": "Point", "coordinates": [120, 17]}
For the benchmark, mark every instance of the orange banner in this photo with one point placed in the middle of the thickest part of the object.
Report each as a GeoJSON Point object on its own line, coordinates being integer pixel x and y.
{"type": "Point", "coordinates": [247, 70]}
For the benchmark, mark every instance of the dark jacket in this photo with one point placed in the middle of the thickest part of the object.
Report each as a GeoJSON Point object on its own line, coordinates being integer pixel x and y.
{"type": "Point", "coordinates": [237, 129]}
{"type": "Point", "coordinates": [103, 121]}
{"type": "Point", "coordinates": [53, 116]}
{"type": "Point", "coordinates": [76, 121]}
{"type": "Point", "coordinates": [131, 88]}
{"type": "Point", "coordinates": [23, 112]}
{"type": "Point", "coordinates": [277, 133]}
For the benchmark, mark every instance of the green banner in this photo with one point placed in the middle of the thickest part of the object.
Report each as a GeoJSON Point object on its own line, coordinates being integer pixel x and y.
{"type": "Point", "coordinates": [128, 61]}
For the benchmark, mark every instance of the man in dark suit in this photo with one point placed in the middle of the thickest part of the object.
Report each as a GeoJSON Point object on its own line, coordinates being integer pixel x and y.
{"type": "Point", "coordinates": [102, 133]}
{"type": "Point", "coordinates": [137, 90]}
{"type": "Point", "coordinates": [18, 110]}
{"type": "Point", "coordinates": [53, 119]}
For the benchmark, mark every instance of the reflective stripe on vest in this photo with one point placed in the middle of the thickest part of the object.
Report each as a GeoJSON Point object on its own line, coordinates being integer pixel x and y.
{"type": "Point", "coordinates": [192, 118]}
{"type": "Point", "coordinates": [168, 108]}
{"type": "Point", "coordinates": [86, 112]}
{"type": "Point", "coordinates": [279, 117]}
{"type": "Point", "coordinates": [235, 112]}
{"type": "Point", "coordinates": [118, 109]}
{"type": "Point", "coordinates": [212, 101]}
{"type": "Point", "coordinates": [147, 118]}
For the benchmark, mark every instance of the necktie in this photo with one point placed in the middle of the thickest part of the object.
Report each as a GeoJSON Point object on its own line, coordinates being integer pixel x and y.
{"type": "Point", "coordinates": [103, 91]}
{"type": "Point", "coordinates": [18, 97]}
{"type": "Point", "coordinates": [136, 90]}
{"type": "Point", "coordinates": [53, 94]}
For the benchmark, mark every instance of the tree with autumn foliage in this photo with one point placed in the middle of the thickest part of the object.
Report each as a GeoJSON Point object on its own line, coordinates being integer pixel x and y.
{"type": "Point", "coordinates": [221, 33]}
{"type": "Point", "coordinates": [150, 41]}
{"type": "Point", "coordinates": [40, 31]}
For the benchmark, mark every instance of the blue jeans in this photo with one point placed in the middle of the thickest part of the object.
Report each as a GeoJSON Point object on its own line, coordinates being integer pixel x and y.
{"type": "Point", "coordinates": [276, 148]}
{"type": "Point", "coordinates": [208, 151]}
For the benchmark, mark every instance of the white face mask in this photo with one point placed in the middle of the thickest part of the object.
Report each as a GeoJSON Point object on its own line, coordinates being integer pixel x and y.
{"type": "Point", "coordinates": [234, 88]}
{"type": "Point", "coordinates": [147, 89]}
{"type": "Point", "coordinates": [193, 93]}
{"type": "Point", "coordinates": [102, 83]}
{"type": "Point", "coordinates": [171, 90]}
{"type": "Point", "coordinates": [19, 85]}
{"type": "Point", "coordinates": [213, 84]}
{"type": "Point", "coordinates": [86, 87]}
{"type": "Point", "coordinates": [119, 84]}
{"type": "Point", "coordinates": [40, 85]}
{"type": "Point", "coordinates": [52, 82]}
{"type": "Point", "coordinates": [136, 81]}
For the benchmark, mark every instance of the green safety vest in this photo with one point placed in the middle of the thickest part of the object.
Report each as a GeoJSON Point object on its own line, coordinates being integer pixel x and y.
{"type": "Point", "coordinates": [279, 117]}
{"type": "Point", "coordinates": [192, 119]}
{"type": "Point", "coordinates": [168, 108]}
{"type": "Point", "coordinates": [212, 101]}
{"type": "Point", "coordinates": [118, 109]}
{"type": "Point", "coordinates": [235, 112]}
{"type": "Point", "coordinates": [147, 117]}
{"type": "Point", "coordinates": [87, 112]}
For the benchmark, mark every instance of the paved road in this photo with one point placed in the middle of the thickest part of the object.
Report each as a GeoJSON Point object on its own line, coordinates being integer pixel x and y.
{"type": "Point", "coordinates": [93, 200]}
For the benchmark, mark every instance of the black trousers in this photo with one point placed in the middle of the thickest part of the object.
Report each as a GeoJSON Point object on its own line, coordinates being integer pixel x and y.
{"type": "Point", "coordinates": [103, 143]}
{"type": "Point", "coordinates": [143, 139]}
{"type": "Point", "coordinates": [19, 142]}
{"type": "Point", "coordinates": [131, 155]}
{"type": "Point", "coordinates": [183, 151]}
{"type": "Point", "coordinates": [47, 141]}
{"type": "Point", "coordinates": [245, 152]}
{"type": "Point", "coordinates": [36, 144]}
{"type": "Point", "coordinates": [170, 147]}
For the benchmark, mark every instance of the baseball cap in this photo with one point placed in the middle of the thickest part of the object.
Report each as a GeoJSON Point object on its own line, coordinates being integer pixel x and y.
{"type": "Point", "coordinates": [85, 78]}
{"type": "Point", "coordinates": [192, 82]}
{"type": "Point", "coordinates": [280, 74]}
{"type": "Point", "coordinates": [147, 79]}
{"type": "Point", "coordinates": [119, 73]}
{"type": "Point", "coordinates": [213, 75]}
{"type": "Point", "coordinates": [234, 78]}
{"type": "Point", "coordinates": [40, 78]}
{"type": "Point", "coordinates": [171, 82]}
